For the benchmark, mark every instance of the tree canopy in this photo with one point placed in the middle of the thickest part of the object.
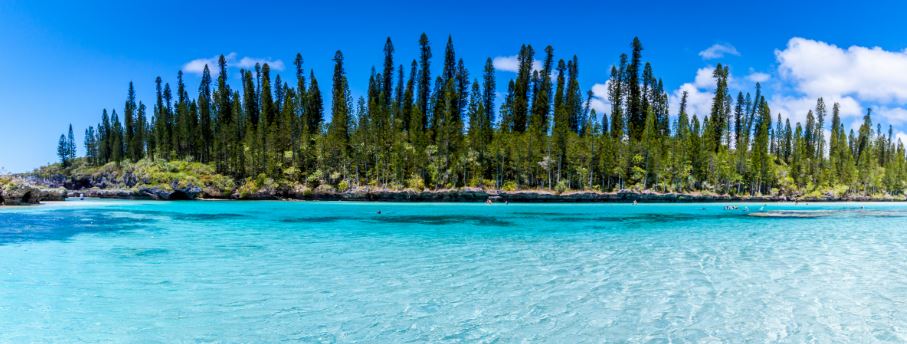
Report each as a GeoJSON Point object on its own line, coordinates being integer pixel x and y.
{"type": "Point", "coordinates": [415, 130]}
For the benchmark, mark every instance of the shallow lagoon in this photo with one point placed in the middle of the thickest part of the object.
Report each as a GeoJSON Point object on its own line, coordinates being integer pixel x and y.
{"type": "Point", "coordinates": [116, 271]}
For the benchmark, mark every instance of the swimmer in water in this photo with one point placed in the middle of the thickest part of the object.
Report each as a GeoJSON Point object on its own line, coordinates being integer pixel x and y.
{"type": "Point", "coordinates": [379, 212]}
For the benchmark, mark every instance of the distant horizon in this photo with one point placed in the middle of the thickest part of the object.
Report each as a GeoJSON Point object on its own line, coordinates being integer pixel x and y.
{"type": "Point", "coordinates": [64, 69]}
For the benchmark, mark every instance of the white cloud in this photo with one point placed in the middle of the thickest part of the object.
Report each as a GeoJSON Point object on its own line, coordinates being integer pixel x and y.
{"type": "Point", "coordinates": [855, 126]}
{"type": "Point", "coordinates": [512, 64]}
{"type": "Point", "coordinates": [699, 93]}
{"type": "Point", "coordinates": [821, 69]}
{"type": "Point", "coordinates": [699, 102]}
{"type": "Point", "coordinates": [796, 107]}
{"type": "Point", "coordinates": [758, 77]}
{"type": "Point", "coordinates": [600, 102]}
{"type": "Point", "coordinates": [718, 50]}
{"type": "Point", "coordinates": [901, 137]}
{"type": "Point", "coordinates": [704, 78]}
{"type": "Point", "coordinates": [891, 115]}
{"type": "Point", "coordinates": [856, 77]}
{"type": "Point", "coordinates": [249, 62]}
{"type": "Point", "coordinates": [197, 66]}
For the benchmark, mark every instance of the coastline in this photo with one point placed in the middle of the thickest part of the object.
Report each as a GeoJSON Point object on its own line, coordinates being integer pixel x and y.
{"type": "Point", "coordinates": [469, 195]}
{"type": "Point", "coordinates": [24, 191]}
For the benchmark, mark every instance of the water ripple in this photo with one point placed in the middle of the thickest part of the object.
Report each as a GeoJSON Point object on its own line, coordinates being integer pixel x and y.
{"type": "Point", "coordinates": [340, 272]}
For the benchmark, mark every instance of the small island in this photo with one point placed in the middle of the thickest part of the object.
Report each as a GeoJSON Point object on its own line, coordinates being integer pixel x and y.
{"type": "Point", "coordinates": [419, 137]}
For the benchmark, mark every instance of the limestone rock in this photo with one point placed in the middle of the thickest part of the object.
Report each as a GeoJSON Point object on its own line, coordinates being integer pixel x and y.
{"type": "Point", "coordinates": [19, 194]}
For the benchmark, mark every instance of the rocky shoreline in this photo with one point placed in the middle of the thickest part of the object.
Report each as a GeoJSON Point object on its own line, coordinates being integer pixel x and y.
{"type": "Point", "coordinates": [32, 190]}
{"type": "Point", "coordinates": [175, 180]}
{"type": "Point", "coordinates": [460, 195]}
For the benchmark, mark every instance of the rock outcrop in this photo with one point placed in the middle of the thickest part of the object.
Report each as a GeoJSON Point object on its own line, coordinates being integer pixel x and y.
{"type": "Point", "coordinates": [16, 193]}
{"type": "Point", "coordinates": [53, 194]}
{"type": "Point", "coordinates": [172, 194]}
{"type": "Point", "coordinates": [154, 193]}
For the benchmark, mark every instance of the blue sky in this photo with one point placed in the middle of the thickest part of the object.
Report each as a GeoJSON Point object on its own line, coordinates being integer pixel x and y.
{"type": "Point", "coordinates": [64, 61]}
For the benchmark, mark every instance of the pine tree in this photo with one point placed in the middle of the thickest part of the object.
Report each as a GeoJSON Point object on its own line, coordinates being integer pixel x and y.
{"type": "Point", "coordinates": [204, 114]}
{"type": "Point", "coordinates": [70, 145]}
{"type": "Point", "coordinates": [561, 120]}
{"type": "Point", "coordinates": [760, 158]}
{"type": "Point", "coordinates": [521, 88]}
{"type": "Point", "coordinates": [424, 78]}
{"type": "Point", "coordinates": [129, 123]}
{"type": "Point", "coordinates": [140, 133]}
{"type": "Point", "coordinates": [117, 151]}
{"type": "Point", "coordinates": [573, 97]}
{"type": "Point", "coordinates": [91, 145]}
{"type": "Point", "coordinates": [616, 97]}
{"type": "Point", "coordinates": [63, 151]}
{"type": "Point", "coordinates": [636, 117]}
{"type": "Point", "coordinates": [339, 133]}
{"type": "Point", "coordinates": [541, 102]}
{"type": "Point", "coordinates": [105, 135]}
{"type": "Point", "coordinates": [718, 115]}
{"type": "Point", "coordinates": [184, 122]}
{"type": "Point", "coordinates": [738, 121]}
{"type": "Point", "coordinates": [388, 74]}
{"type": "Point", "coordinates": [488, 91]}
{"type": "Point", "coordinates": [162, 137]}
{"type": "Point", "coordinates": [314, 107]}
{"type": "Point", "coordinates": [222, 139]}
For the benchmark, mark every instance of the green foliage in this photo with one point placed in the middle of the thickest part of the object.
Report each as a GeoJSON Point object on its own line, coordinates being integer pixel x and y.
{"type": "Point", "coordinates": [416, 183]}
{"type": "Point", "coordinates": [415, 131]}
{"type": "Point", "coordinates": [259, 185]}
{"type": "Point", "coordinates": [561, 187]}
{"type": "Point", "coordinates": [150, 173]}
{"type": "Point", "coordinates": [344, 185]}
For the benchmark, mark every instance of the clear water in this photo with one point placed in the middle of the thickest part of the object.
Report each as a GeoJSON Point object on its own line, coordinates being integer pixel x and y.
{"type": "Point", "coordinates": [123, 271]}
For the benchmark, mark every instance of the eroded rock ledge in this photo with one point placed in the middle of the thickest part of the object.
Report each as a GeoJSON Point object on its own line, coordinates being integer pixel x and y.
{"type": "Point", "coordinates": [23, 194]}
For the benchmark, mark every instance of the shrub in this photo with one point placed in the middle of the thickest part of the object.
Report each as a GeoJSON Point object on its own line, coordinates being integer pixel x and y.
{"type": "Point", "coordinates": [561, 187]}
{"type": "Point", "coordinates": [416, 183]}
{"type": "Point", "coordinates": [509, 186]}
{"type": "Point", "coordinates": [314, 178]}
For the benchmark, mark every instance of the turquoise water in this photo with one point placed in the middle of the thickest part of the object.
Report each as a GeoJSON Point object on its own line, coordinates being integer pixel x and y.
{"type": "Point", "coordinates": [126, 271]}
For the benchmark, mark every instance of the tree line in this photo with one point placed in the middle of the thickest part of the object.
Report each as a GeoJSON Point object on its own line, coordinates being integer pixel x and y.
{"type": "Point", "coordinates": [418, 130]}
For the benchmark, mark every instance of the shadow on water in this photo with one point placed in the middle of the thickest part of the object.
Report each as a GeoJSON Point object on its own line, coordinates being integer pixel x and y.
{"type": "Point", "coordinates": [480, 220]}
{"type": "Point", "coordinates": [130, 252]}
{"type": "Point", "coordinates": [727, 214]}
{"type": "Point", "coordinates": [431, 220]}
{"type": "Point", "coordinates": [645, 217]}
{"type": "Point", "coordinates": [826, 213]}
{"type": "Point", "coordinates": [63, 224]}
{"type": "Point", "coordinates": [314, 219]}
{"type": "Point", "coordinates": [178, 216]}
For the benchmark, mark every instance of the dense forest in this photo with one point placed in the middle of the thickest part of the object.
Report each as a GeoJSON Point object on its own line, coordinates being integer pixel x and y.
{"type": "Point", "coordinates": [418, 130]}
